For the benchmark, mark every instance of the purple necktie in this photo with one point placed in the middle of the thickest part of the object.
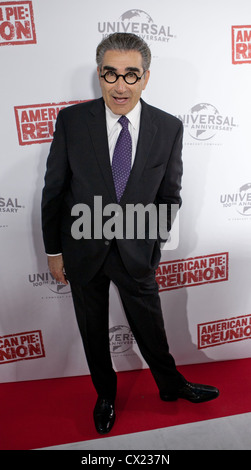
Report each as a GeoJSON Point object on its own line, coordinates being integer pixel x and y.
{"type": "Point", "coordinates": [122, 157]}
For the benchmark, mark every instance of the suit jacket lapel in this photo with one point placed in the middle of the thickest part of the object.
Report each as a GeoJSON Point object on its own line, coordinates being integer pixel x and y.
{"type": "Point", "coordinates": [98, 132]}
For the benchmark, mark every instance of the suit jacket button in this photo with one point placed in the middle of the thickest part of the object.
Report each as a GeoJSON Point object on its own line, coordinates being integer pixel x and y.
{"type": "Point", "coordinates": [106, 242]}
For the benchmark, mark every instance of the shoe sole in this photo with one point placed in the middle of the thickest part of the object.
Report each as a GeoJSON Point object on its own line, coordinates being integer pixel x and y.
{"type": "Point", "coordinates": [200, 400]}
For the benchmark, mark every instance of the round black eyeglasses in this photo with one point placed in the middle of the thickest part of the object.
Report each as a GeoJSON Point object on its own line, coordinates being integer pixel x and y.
{"type": "Point", "coordinates": [130, 77]}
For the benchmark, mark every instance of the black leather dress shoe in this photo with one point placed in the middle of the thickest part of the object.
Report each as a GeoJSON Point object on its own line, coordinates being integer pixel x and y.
{"type": "Point", "coordinates": [196, 393]}
{"type": "Point", "coordinates": [104, 415]}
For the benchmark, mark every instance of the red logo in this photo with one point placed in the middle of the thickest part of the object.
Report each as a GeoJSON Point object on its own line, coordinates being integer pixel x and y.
{"type": "Point", "coordinates": [36, 123]}
{"type": "Point", "coordinates": [21, 346]}
{"type": "Point", "coordinates": [17, 23]}
{"type": "Point", "coordinates": [241, 44]}
{"type": "Point", "coordinates": [192, 271]}
{"type": "Point", "coordinates": [219, 332]}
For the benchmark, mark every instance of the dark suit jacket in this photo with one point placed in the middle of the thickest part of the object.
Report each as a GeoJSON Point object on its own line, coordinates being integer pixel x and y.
{"type": "Point", "coordinates": [78, 168]}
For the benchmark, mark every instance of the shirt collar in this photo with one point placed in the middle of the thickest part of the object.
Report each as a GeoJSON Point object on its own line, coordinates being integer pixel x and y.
{"type": "Point", "coordinates": [133, 116]}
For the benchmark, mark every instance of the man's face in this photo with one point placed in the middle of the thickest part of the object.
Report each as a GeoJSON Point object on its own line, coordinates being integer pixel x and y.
{"type": "Point", "coordinates": [119, 96]}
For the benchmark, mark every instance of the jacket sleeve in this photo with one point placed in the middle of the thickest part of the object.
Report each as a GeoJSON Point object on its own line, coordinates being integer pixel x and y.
{"type": "Point", "coordinates": [169, 190]}
{"type": "Point", "coordinates": [57, 178]}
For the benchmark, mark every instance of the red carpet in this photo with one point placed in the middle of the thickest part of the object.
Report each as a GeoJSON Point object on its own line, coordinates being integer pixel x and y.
{"type": "Point", "coordinates": [44, 413]}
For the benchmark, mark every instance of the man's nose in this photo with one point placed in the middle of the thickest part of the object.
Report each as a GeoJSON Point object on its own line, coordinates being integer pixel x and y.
{"type": "Point", "coordinates": [120, 85]}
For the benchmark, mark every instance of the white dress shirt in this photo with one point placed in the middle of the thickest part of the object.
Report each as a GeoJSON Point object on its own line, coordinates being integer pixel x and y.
{"type": "Point", "coordinates": [114, 128]}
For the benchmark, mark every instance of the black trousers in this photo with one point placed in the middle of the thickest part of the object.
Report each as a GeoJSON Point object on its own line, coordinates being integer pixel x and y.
{"type": "Point", "coordinates": [142, 307]}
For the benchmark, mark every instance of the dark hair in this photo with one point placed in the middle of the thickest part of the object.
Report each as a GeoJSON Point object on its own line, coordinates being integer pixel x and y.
{"type": "Point", "coordinates": [124, 42]}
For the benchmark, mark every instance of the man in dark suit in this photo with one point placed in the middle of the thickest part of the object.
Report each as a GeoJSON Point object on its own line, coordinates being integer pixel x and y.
{"type": "Point", "coordinates": [87, 164]}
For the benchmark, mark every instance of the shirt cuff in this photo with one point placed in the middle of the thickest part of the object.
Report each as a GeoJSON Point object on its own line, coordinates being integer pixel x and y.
{"type": "Point", "coordinates": [57, 254]}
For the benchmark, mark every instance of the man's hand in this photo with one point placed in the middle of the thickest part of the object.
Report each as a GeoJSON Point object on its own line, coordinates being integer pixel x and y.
{"type": "Point", "coordinates": [56, 267]}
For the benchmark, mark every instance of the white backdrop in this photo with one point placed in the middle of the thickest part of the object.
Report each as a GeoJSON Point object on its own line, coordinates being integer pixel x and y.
{"type": "Point", "coordinates": [201, 73]}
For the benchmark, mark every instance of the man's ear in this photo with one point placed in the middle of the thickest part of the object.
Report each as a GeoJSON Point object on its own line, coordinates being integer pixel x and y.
{"type": "Point", "coordinates": [147, 76]}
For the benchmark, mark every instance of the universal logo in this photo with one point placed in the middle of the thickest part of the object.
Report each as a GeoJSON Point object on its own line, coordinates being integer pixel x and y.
{"type": "Point", "coordinates": [204, 121]}
{"type": "Point", "coordinates": [121, 339]}
{"type": "Point", "coordinates": [46, 279]}
{"type": "Point", "coordinates": [138, 22]}
{"type": "Point", "coordinates": [240, 201]}
{"type": "Point", "coordinates": [10, 205]}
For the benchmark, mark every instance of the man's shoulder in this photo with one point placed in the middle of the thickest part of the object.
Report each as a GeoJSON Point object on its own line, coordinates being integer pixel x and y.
{"type": "Point", "coordinates": [81, 107]}
{"type": "Point", "coordinates": [161, 115]}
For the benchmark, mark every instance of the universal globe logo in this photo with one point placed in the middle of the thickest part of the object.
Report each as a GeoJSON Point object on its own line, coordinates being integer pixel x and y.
{"type": "Point", "coordinates": [240, 200]}
{"type": "Point", "coordinates": [46, 279]}
{"type": "Point", "coordinates": [204, 121]}
{"type": "Point", "coordinates": [121, 339]}
{"type": "Point", "coordinates": [138, 22]}
{"type": "Point", "coordinates": [244, 207]}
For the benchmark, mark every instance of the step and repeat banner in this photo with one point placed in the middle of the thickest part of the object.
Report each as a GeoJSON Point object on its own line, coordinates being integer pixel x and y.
{"type": "Point", "coordinates": [201, 73]}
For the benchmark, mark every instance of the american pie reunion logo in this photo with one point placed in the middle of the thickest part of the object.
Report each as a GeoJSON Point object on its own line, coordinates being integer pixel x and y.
{"type": "Point", "coordinates": [241, 44]}
{"type": "Point", "coordinates": [189, 272]}
{"type": "Point", "coordinates": [17, 23]}
{"type": "Point", "coordinates": [21, 346]}
{"type": "Point", "coordinates": [219, 332]}
{"type": "Point", "coordinates": [36, 123]}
